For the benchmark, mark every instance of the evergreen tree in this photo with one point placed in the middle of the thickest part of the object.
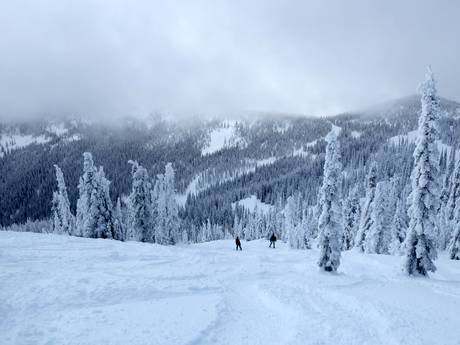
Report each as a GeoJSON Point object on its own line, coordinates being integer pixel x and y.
{"type": "Point", "coordinates": [63, 219]}
{"type": "Point", "coordinates": [329, 224]}
{"type": "Point", "coordinates": [399, 228]}
{"type": "Point", "coordinates": [167, 217]}
{"type": "Point", "coordinates": [451, 204]}
{"type": "Point", "coordinates": [94, 206]}
{"type": "Point", "coordinates": [120, 228]}
{"type": "Point", "coordinates": [378, 238]}
{"type": "Point", "coordinates": [351, 213]}
{"type": "Point", "coordinates": [290, 222]}
{"type": "Point", "coordinates": [454, 247]}
{"type": "Point", "coordinates": [85, 188]}
{"type": "Point", "coordinates": [366, 214]}
{"type": "Point", "coordinates": [421, 251]}
{"type": "Point", "coordinates": [102, 223]}
{"type": "Point", "coordinates": [139, 206]}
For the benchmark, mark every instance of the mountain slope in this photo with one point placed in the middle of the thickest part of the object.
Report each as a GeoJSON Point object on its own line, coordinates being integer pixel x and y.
{"type": "Point", "coordinates": [269, 157]}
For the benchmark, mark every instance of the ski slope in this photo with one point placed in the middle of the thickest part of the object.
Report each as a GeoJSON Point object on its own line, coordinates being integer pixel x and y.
{"type": "Point", "coordinates": [67, 290]}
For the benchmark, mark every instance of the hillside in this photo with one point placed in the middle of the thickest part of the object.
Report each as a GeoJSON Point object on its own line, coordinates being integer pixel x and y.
{"type": "Point", "coordinates": [217, 163]}
{"type": "Point", "coordinates": [68, 290]}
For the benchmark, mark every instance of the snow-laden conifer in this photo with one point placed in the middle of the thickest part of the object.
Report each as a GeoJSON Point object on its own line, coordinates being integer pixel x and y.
{"type": "Point", "coordinates": [63, 219]}
{"type": "Point", "coordinates": [398, 228]}
{"type": "Point", "coordinates": [424, 197]}
{"type": "Point", "coordinates": [351, 213]}
{"type": "Point", "coordinates": [94, 206]}
{"type": "Point", "coordinates": [167, 211]}
{"type": "Point", "coordinates": [329, 224]}
{"type": "Point", "coordinates": [85, 187]}
{"type": "Point", "coordinates": [140, 227]}
{"type": "Point", "coordinates": [379, 236]}
{"type": "Point", "coordinates": [365, 222]}
{"type": "Point", "coordinates": [454, 246]}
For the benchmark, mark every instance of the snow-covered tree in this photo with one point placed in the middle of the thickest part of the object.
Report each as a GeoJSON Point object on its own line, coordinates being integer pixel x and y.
{"type": "Point", "coordinates": [94, 206]}
{"type": "Point", "coordinates": [351, 213]}
{"type": "Point", "coordinates": [63, 219]}
{"type": "Point", "coordinates": [290, 222]}
{"type": "Point", "coordinates": [454, 246]}
{"type": "Point", "coordinates": [398, 228]}
{"type": "Point", "coordinates": [451, 204]}
{"type": "Point", "coordinates": [365, 222]}
{"type": "Point", "coordinates": [167, 210]}
{"type": "Point", "coordinates": [424, 197]}
{"type": "Point", "coordinates": [378, 238]}
{"type": "Point", "coordinates": [329, 224]}
{"type": "Point", "coordinates": [101, 209]}
{"type": "Point", "coordinates": [85, 188]}
{"type": "Point", "coordinates": [120, 228]}
{"type": "Point", "coordinates": [140, 226]}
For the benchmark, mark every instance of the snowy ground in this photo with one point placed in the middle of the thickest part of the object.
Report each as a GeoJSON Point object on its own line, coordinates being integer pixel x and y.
{"type": "Point", "coordinates": [64, 290]}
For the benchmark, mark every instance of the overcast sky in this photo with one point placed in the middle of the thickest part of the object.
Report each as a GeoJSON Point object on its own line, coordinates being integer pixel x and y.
{"type": "Point", "coordinates": [112, 58]}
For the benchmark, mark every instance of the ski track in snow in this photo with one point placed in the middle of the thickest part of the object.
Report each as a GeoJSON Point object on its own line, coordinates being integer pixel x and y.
{"type": "Point", "coordinates": [67, 290]}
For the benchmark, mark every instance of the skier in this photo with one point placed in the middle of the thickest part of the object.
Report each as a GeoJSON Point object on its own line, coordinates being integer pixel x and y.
{"type": "Point", "coordinates": [272, 240]}
{"type": "Point", "coordinates": [238, 243]}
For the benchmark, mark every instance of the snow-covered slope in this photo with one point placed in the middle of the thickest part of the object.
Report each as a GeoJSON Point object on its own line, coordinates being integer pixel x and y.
{"type": "Point", "coordinates": [9, 142]}
{"type": "Point", "coordinates": [68, 290]}
{"type": "Point", "coordinates": [411, 137]}
{"type": "Point", "coordinates": [253, 204]}
{"type": "Point", "coordinates": [224, 136]}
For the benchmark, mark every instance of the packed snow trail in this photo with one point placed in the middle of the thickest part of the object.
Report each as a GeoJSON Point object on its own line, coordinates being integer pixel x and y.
{"type": "Point", "coordinates": [68, 290]}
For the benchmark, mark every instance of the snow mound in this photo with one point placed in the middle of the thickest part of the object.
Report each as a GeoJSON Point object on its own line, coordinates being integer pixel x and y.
{"type": "Point", "coordinates": [68, 290]}
{"type": "Point", "coordinates": [224, 136]}
{"type": "Point", "coordinates": [252, 204]}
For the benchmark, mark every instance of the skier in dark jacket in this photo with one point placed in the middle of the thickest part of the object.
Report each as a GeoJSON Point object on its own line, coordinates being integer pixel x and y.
{"type": "Point", "coordinates": [238, 243]}
{"type": "Point", "coordinates": [272, 240]}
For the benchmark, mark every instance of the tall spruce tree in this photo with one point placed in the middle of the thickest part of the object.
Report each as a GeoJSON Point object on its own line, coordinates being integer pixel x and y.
{"type": "Point", "coordinates": [424, 197]}
{"type": "Point", "coordinates": [378, 238]}
{"type": "Point", "coordinates": [351, 212]}
{"type": "Point", "coordinates": [167, 211]}
{"type": "Point", "coordinates": [329, 224]}
{"type": "Point", "coordinates": [63, 219]}
{"type": "Point", "coordinates": [365, 222]}
{"type": "Point", "coordinates": [94, 206]}
{"type": "Point", "coordinates": [140, 220]}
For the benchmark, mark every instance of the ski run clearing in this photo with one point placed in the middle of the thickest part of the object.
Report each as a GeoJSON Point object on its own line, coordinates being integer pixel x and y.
{"type": "Point", "coordinates": [68, 290]}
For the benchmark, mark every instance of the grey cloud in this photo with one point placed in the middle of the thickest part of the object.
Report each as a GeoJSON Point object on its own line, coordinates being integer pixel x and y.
{"type": "Point", "coordinates": [113, 58]}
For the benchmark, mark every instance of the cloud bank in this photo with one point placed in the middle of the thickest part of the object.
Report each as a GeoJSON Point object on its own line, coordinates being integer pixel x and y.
{"type": "Point", "coordinates": [122, 58]}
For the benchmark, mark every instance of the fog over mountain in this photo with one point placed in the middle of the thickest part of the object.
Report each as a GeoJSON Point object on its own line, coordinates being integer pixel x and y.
{"type": "Point", "coordinates": [103, 59]}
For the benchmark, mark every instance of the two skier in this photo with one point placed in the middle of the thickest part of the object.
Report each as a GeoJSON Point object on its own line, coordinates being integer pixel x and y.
{"type": "Point", "coordinates": [272, 242]}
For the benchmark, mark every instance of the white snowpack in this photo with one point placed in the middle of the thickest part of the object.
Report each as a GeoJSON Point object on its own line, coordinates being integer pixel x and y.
{"type": "Point", "coordinates": [224, 136]}
{"type": "Point", "coordinates": [411, 137]}
{"type": "Point", "coordinates": [68, 290]}
{"type": "Point", "coordinates": [59, 129]}
{"type": "Point", "coordinates": [356, 134]}
{"type": "Point", "coordinates": [252, 203]}
{"type": "Point", "coordinates": [11, 142]}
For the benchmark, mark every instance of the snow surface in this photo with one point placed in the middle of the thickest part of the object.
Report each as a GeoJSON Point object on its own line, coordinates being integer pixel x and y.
{"type": "Point", "coordinates": [196, 185]}
{"type": "Point", "coordinates": [252, 203]}
{"type": "Point", "coordinates": [68, 290]}
{"type": "Point", "coordinates": [411, 137]}
{"type": "Point", "coordinates": [222, 137]}
{"type": "Point", "coordinates": [11, 142]}
{"type": "Point", "coordinates": [356, 134]}
{"type": "Point", "coordinates": [58, 129]}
